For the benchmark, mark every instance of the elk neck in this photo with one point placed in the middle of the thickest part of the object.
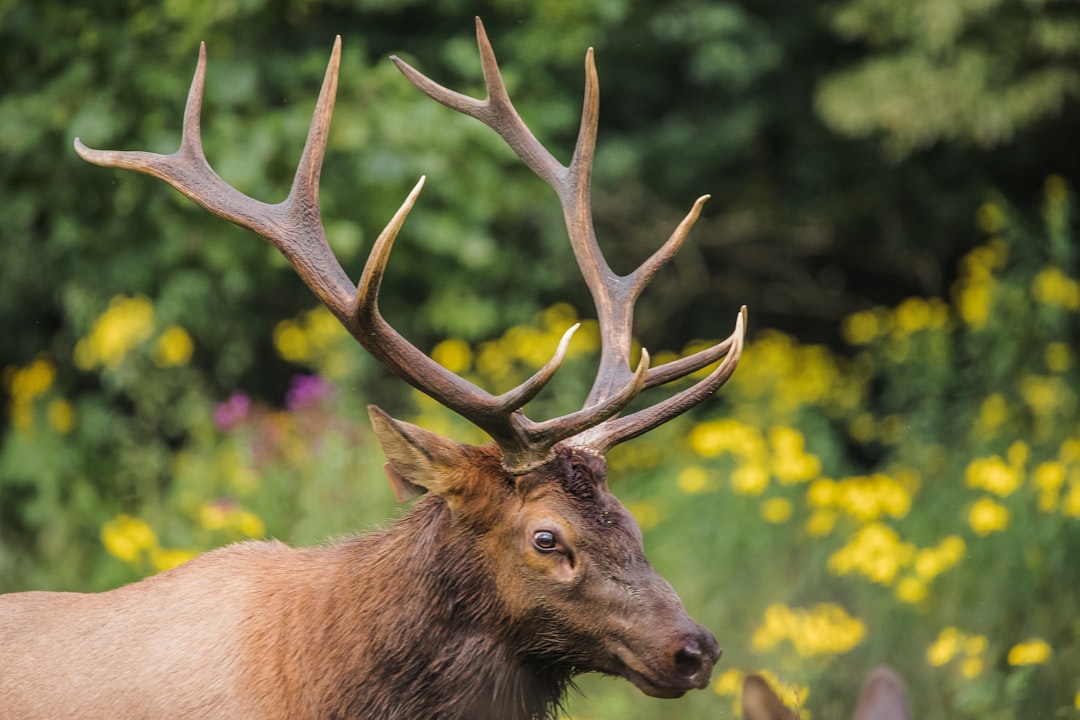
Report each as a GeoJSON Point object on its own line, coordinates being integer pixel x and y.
{"type": "Point", "coordinates": [411, 608]}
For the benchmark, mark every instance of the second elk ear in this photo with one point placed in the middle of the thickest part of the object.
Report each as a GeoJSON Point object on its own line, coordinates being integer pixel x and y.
{"type": "Point", "coordinates": [418, 460]}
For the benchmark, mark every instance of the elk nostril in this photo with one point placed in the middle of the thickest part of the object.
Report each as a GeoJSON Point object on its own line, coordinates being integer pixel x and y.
{"type": "Point", "coordinates": [689, 659]}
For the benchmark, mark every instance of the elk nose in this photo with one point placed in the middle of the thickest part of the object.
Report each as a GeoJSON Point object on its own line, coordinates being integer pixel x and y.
{"type": "Point", "coordinates": [695, 658]}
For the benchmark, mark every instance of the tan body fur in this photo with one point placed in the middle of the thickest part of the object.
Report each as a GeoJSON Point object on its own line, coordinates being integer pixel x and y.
{"type": "Point", "coordinates": [164, 647]}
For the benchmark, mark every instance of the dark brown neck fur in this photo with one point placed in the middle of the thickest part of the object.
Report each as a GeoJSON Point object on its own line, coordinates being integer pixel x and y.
{"type": "Point", "coordinates": [411, 627]}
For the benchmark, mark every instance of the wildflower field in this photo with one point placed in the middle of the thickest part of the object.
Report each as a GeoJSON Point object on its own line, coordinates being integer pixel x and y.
{"type": "Point", "coordinates": [910, 499]}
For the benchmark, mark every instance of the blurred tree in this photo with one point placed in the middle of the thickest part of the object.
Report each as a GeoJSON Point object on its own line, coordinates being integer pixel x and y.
{"type": "Point", "coordinates": [973, 71]}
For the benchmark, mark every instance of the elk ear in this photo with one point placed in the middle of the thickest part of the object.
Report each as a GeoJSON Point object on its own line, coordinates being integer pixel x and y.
{"type": "Point", "coordinates": [759, 702]}
{"type": "Point", "coordinates": [418, 460]}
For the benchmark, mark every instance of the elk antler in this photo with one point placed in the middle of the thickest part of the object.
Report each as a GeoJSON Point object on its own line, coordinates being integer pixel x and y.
{"type": "Point", "coordinates": [295, 228]}
{"type": "Point", "coordinates": [613, 295]}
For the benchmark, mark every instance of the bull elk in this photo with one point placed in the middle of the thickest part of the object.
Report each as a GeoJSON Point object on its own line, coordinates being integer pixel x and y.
{"type": "Point", "coordinates": [519, 570]}
{"type": "Point", "coordinates": [883, 697]}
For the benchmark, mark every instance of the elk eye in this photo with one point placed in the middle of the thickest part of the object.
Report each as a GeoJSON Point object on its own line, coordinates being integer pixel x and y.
{"type": "Point", "coordinates": [544, 540]}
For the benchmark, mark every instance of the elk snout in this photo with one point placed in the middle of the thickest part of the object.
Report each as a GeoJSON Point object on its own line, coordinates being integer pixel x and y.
{"type": "Point", "coordinates": [694, 657]}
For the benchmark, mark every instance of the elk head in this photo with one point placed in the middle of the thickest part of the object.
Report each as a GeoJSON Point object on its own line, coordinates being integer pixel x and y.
{"type": "Point", "coordinates": [564, 557]}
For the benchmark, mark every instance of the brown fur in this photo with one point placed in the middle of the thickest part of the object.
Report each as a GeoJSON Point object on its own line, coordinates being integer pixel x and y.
{"type": "Point", "coordinates": [449, 614]}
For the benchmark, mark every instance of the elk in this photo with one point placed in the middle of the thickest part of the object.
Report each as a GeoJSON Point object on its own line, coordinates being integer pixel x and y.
{"type": "Point", "coordinates": [518, 571]}
{"type": "Point", "coordinates": [883, 697]}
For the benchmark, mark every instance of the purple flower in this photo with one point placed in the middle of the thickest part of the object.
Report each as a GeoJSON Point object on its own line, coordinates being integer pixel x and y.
{"type": "Point", "coordinates": [307, 390]}
{"type": "Point", "coordinates": [230, 413]}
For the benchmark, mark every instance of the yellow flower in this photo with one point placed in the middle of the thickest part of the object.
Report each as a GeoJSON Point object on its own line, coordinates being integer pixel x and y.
{"type": "Point", "coordinates": [1054, 288]}
{"type": "Point", "coordinates": [825, 629]}
{"type": "Point", "coordinates": [790, 461]}
{"type": "Point", "coordinates": [1070, 450]}
{"type": "Point", "coordinates": [911, 590]}
{"type": "Point", "coordinates": [975, 645]}
{"type": "Point", "coordinates": [931, 562]}
{"type": "Point", "coordinates": [291, 342]}
{"type": "Point", "coordinates": [875, 551]}
{"type": "Point", "coordinates": [226, 515]}
{"type": "Point", "coordinates": [750, 479]}
{"type": "Point", "coordinates": [528, 344]}
{"type": "Point", "coordinates": [714, 437]}
{"type": "Point", "coordinates": [125, 324]}
{"type": "Point", "coordinates": [987, 516]}
{"type": "Point", "coordinates": [787, 375]}
{"type": "Point", "coordinates": [1032, 652]}
{"type": "Point", "coordinates": [61, 416]}
{"type": "Point", "coordinates": [989, 218]}
{"type": "Point", "coordinates": [1017, 455]}
{"type": "Point", "coordinates": [776, 510]}
{"type": "Point", "coordinates": [971, 668]}
{"type": "Point", "coordinates": [730, 682]}
{"type": "Point", "coordinates": [864, 498]}
{"type": "Point", "coordinates": [694, 480]}
{"type": "Point", "coordinates": [823, 492]}
{"type": "Point", "coordinates": [126, 538]}
{"type": "Point", "coordinates": [992, 413]}
{"type": "Point", "coordinates": [1049, 477]}
{"type": "Point", "coordinates": [493, 362]}
{"type": "Point", "coordinates": [453, 354]}
{"type": "Point", "coordinates": [31, 381]}
{"type": "Point", "coordinates": [913, 315]}
{"type": "Point", "coordinates": [994, 475]}
{"type": "Point", "coordinates": [25, 385]}
{"type": "Point", "coordinates": [1070, 505]}
{"type": "Point", "coordinates": [312, 338]}
{"type": "Point", "coordinates": [168, 558]}
{"type": "Point", "coordinates": [1044, 394]}
{"type": "Point", "coordinates": [861, 328]}
{"type": "Point", "coordinates": [648, 513]}
{"type": "Point", "coordinates": [248, 524]}
{"type": "Point", "coordinates": [973, 300]}
{"type": "Point", "coordinates": [174, 347]}
{"type": "Point", "coordinates": [821, 523]}
{"type": "Point", "coordinates": [322, 328]}
{"type": "Point", "coordinates": [945, 648]}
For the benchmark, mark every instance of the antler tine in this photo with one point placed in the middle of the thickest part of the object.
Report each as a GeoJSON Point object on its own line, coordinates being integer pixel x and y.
{"type": "Point", "coordinates": [557, 429]}
{"type": "Point", "coordinates": [368, 326]}
{"type": "Point", "coordinates": [496, 111]}
{"type": "Point", "coordinates": [602, 438]}
{"type": "Point", "coordinates": [293, 226]}
{"type": "Point", "coordinates": [490, 413]}
{"type": "Point", "coordinates": [671, 371]}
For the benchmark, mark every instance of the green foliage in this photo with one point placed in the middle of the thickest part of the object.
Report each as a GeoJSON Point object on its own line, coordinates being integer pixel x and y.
{"type": "Point", "coordinates": [978, 71]}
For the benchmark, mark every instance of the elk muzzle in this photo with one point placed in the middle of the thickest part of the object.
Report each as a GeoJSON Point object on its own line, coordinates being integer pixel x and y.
{"type": "Point", "coordinates": [681, 664]}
